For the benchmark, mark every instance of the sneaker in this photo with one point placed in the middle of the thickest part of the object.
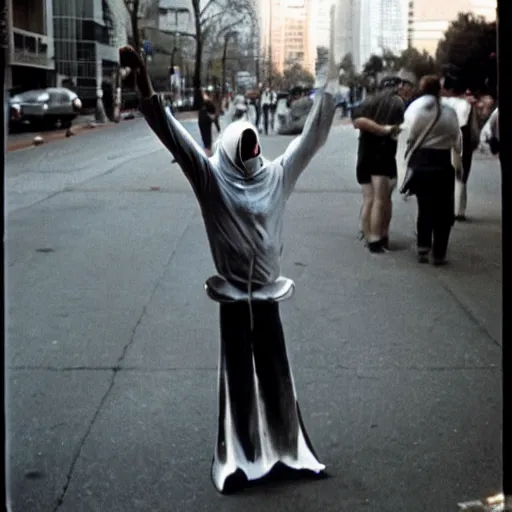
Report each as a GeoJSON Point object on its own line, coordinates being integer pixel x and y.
{"type": "Point", "coordinates": [385, 243]}
{"type": "Point", "coordinates": [375, 247]}
{"type": "Point", "coordinates": [460, 218]}
{"type": "Point", "coordinates": [423, 256]}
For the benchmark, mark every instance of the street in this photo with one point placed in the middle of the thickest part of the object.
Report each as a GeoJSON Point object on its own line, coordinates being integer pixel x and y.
{"type": "Point", "coordinates": [112, 344]}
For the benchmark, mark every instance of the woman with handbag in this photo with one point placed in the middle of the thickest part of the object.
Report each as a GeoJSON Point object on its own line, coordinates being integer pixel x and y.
{"type": "Point", "coordinates": [434, 156]}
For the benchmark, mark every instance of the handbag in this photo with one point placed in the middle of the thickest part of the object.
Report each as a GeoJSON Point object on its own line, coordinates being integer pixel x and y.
{"type": "Point", "coordinates": [407, 184]}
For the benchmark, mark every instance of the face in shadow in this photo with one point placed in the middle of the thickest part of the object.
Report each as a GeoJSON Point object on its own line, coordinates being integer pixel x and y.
{"type": "Point", "coordinates": [248, 146]}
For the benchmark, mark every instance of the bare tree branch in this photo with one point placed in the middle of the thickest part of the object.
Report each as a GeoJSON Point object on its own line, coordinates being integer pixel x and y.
{"type": "Point", "coordinates": [207, 6]}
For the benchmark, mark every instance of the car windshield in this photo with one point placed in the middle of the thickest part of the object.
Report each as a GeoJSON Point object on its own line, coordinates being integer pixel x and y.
{"type": "Point", "coordinates": [29, 96]}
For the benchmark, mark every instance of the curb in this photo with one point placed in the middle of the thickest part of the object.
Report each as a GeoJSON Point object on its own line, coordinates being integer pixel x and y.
{"type": "Point", "coordinates": [52, 136]}
{"type": "Point", "coordinates": [48, 137]}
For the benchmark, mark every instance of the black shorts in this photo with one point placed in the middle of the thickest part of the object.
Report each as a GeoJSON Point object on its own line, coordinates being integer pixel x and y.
{"type": "Point", "coordinates": [375, 165]}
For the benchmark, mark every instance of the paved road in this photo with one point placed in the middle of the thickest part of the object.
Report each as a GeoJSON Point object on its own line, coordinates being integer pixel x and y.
{"type": "Point", "coordinates": [113, 346]}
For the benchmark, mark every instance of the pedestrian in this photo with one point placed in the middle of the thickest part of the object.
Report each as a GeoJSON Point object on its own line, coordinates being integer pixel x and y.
{"type": "Point", "coordinates": [257, 110]}
{"type": "Point", "coordinates": [455, 95]}
{"type": "Point", "coordinates": [206, 118]}
{"type": "Point", "coordinates": [491, 132]}
{"type": "Point", "coordinates": [378, 119]}
{"type": "Point", "coordinates": [273, 109]}
{"type": "Point", "coordinates": [242, 197]}
{"type": "Point", "coordinates": [435, 147]}
{"type": "Point", "coordinates": [266, 100]}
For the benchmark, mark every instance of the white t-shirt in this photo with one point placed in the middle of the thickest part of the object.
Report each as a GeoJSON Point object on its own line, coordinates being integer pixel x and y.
{"type": "Point", "coordinates": [461, 106]}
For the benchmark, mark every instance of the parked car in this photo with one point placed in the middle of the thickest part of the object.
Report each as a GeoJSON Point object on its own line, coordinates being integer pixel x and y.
{"type": "Point", "coordinates": [44, 107]}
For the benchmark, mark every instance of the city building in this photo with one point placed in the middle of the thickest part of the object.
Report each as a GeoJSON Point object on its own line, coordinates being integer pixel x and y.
{"type": "Point", "coordinates": [88, 35]}
{"type": "Point", "coordinates": [347, 24]}
{"type": "Point", "coordinates": [431, 18]}
{"type": "Point", "coordinates": [30, 56]}
{"type": "Point", "coordinates": [163, 26]}
{"type": "Point", "coordinates": [366, 27]}
{"type": "Point", "coordinates": [322, 22]}
{"type": "Point", "coordinates": [287, 33]}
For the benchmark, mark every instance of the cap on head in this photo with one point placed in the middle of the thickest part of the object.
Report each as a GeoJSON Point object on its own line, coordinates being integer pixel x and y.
{"type": "Point", "coordinates": [389, 82]}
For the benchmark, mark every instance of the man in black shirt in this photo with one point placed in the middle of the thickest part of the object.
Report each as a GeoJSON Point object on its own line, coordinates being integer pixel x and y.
{"type": "Point", "coordinates": [378, 118]}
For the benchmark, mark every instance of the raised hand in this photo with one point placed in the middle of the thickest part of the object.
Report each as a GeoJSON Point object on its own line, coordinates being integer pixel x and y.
{"type": "Point", "coordinates": [131, 59]}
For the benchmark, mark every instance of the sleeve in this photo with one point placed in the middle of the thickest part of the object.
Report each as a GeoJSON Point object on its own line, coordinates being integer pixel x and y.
{"type": "Point", "coordinates": [495, 124]}
{"type": "Point", "coordinates": [360, 110]}
{"type": "Point", "coordinates": [398, 112]}
{"type": "Point", "coordinates": [188, 154]}
{"type": "Point", "coordinates": [314, 135]}
{"type": "Point", "coordinates": [412, 123]}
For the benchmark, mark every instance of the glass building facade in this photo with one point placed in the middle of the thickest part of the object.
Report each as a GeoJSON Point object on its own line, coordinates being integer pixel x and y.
{"type": "Point", "coordinates": [77, 37]}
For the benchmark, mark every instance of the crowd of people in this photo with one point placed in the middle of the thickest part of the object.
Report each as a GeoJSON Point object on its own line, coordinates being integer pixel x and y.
{"type": "Point", "coordinates": [419, 134]}
{"type": "Point", "coordinates": [423, 136]}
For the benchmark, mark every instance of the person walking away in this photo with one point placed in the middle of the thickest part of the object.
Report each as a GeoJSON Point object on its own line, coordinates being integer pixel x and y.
{"type": "Point", "coordinates": [436, 146]}
{"type": "Point", "coordinates": [454, 95]}
{"type": "Point", "coordinates": [378, 118]}
{"type": "Point", "coordinates": [265, 107]}
{"type": "Point", "coordinates": [207, 117]}
{"type": "Point", "coordinates": [257, 110]}
{"type": "Point", "coordinates": [491, 133]}
{"type": "Point", "coordinates": [273, 109]}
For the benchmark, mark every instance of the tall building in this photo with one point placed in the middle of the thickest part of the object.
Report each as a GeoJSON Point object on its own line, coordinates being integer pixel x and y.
{"type": "Point", "coordinates": [30, 63]}
{"type": "Point", "coordinates": [431, 18]}
{"type": "Point", "coordinates": [347, 22]}
{"type": "Point", "coordinates": [366, 27]}
{"type": "Point", "coordinates": [322, 22]}
{"type": "Point", "coordinates": [88, 35]}
{"type": "Point", "coordinates": [287, 33]}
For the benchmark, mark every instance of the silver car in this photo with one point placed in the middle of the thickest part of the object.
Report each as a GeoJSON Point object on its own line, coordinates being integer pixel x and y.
{"type": "Point", "coordinates": [45, 107]}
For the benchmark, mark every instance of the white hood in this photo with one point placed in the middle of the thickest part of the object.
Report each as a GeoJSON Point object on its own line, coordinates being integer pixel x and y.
{"type": "Point", "coordinates": [230, 149]}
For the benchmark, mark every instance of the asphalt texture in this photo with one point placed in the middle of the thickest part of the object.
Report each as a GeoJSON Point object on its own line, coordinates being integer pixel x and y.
{"type": "Point", "coordinates": [112, 344]}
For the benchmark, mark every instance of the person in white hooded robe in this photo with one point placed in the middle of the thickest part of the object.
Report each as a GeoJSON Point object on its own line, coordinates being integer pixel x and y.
{"type": "Point", "coordinates": [242, 196]}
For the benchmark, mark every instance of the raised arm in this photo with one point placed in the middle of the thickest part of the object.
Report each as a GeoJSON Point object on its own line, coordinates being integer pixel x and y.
{"type": "Point", "coordinates": [314, 135]}
{"type": "Point", "coordinates": [187, 153]}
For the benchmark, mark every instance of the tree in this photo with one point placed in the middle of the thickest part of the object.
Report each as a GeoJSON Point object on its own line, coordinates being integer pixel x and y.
{"type": "Point", "coordinates": [390, 61]}
{"type": "Point", "coordinates": [467, 48]}
{"type": "Point", "coordinates": [348, 73]}
{"type": "Point", "coordinates": [373, 66]}
{"type": "Point", "coordinates": [136, 10]}
{"type": "Point", "coordinates": [211, 21]}
{"type": "Point", "coordinates": [420, 64]}
{"type": "Point", "coordinates": [295, 75]}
